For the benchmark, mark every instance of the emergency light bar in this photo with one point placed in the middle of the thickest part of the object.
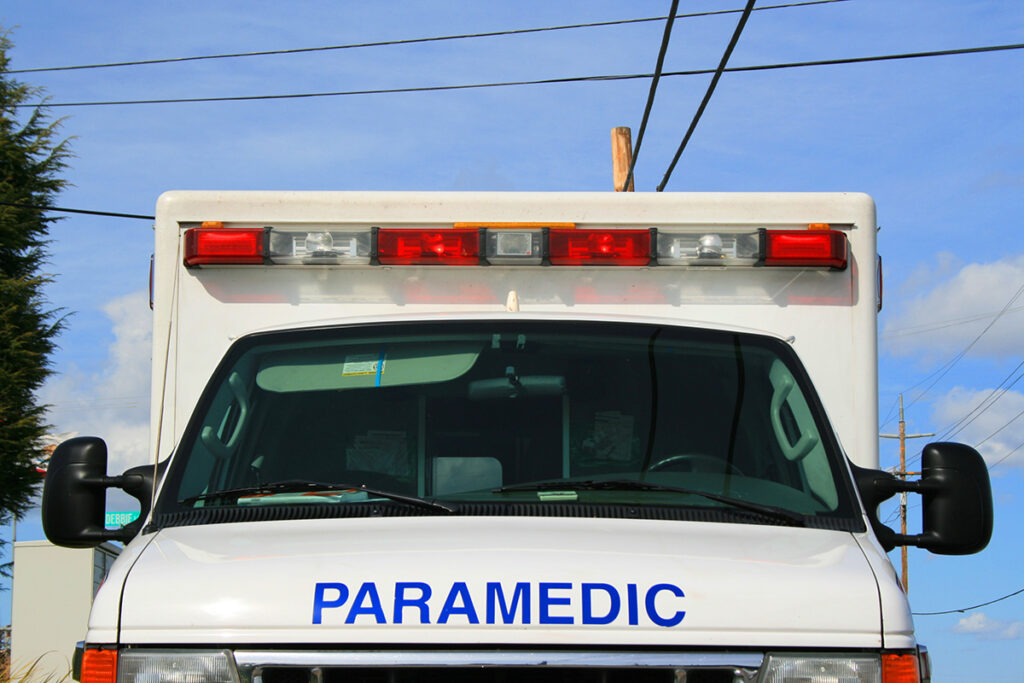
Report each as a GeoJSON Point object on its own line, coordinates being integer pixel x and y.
{"type": "Point", "coordinates": [517, 244]}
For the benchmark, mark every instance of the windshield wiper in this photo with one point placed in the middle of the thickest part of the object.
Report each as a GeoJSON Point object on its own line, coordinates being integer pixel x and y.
{"type": "Point", "coordinates": [793, 518]}
{"type": "Point", "coordinates": [296, 486]}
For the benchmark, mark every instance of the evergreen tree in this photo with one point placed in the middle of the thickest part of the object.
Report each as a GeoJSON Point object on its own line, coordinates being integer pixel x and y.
{"type": "Point", "coordinates": [31, 160]}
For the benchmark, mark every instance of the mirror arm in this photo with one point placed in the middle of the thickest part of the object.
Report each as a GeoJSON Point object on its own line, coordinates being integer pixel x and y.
{"type": "Point", "coordinates": [137, 482]}
{"type": "Point", "coordinates": [877, 486]}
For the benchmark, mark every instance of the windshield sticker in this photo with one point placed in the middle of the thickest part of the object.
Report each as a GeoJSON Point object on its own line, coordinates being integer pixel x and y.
{"type": "Point", "coordinates": [362, 364]}
{"type": "Point", "coordinates": [495, 602]}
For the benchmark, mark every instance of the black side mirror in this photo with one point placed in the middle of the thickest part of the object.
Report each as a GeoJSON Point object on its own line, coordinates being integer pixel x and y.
{"type": "Point", "coordinates": [957, 517]}
{"type": "Point", "coordinates": [957, 500]}
{"type": "Point", "coordinates": [75, 493]}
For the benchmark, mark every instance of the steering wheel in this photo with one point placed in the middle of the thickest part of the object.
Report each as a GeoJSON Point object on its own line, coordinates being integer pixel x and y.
{"type": "Point", "coordinates": [695, 462]}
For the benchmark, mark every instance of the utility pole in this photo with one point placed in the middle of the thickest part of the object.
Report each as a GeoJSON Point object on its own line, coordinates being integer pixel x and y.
{"type": "Point", "coordinates": [622, 157]}
{"type": "Point", "coordinates": [902, 474]}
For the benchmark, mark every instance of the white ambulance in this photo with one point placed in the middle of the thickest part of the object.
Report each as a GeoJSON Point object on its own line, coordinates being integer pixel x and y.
{"type": "Point", "coordinates": [507, 437]}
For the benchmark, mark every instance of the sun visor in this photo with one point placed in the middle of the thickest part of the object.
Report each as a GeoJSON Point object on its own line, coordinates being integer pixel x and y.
{"type": "Point", "coordinates": [364, 366]}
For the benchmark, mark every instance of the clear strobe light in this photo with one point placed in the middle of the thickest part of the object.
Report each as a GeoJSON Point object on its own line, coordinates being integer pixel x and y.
{"type": "Point", "coordinates": [514, 247]}
{"type": "Point", "coordinates": [719, 248]}
{"type": "Point", "coordinates": [319, 246]}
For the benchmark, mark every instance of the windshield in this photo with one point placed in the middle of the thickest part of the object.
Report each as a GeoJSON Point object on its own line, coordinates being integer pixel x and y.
{"type": "Point", "coordinates": [498, 417]}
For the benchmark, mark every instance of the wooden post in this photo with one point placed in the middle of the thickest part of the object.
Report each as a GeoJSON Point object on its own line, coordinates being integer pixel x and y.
{"type": "Point", "coordinates": [622, 156]}
{"type": "Point", "coordinates": [903, 498]}
{"type": "Point", "coordinates": [902, 474]}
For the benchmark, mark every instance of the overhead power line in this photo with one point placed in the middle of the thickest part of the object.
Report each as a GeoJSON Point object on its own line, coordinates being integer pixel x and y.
{"type": "Point", "coordinates": [910, 330]}
{"type": "Point", "coordinates": [1000, 460]}
{"type": "Point", "coordinates": [85, 211]}
{"type": "Point", "coordinates": [409, 41]}
{"type": "Point", "coordinates": [965, 609]}
{"type": "Point", "coordinates": [978, 410]}
{"type": "Point", "coordinates": [1008, 423]}
{"type": "Point", "coordinates": [948, 365]}
{"type": "Point", "coordinates": [987, 403]}
{"type": "Point", "coordinates": [650, 94]}
{"type": "Point", "coordinates": [544, 81]}
{"type": "Point", "coordinates": [707, 95]}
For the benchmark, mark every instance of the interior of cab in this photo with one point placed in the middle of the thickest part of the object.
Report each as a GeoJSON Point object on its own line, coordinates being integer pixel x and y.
{"type": "Point", "coordinates": [462, 415]}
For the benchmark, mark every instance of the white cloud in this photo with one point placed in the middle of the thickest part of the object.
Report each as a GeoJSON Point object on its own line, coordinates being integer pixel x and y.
{"type": "Point", "coordinates": [944, 265]}
{"type": "Point", "coordinates": [112, 403]}
{"type": "Point", "coordinates": [996, 427]}
{"type": "Point", "coordinates": [976, 623]}
{"type": "Point", "coordinates": [944, 319]}
{"type": "Point", "coordinates": [984, 627]}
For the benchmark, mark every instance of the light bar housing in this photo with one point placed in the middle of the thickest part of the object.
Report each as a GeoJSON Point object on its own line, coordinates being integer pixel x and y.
{"type": "Point", "coordinates": [518, 245]}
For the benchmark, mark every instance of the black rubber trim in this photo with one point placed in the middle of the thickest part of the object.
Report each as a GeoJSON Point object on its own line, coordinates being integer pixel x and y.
{"type": "Point", "coordinates": [269, 513]}
{"type": "Point", "coordinates": [266, 246]}
{"type": "Point", "coordinates": [762, 246]}
{"type": "Point", "coordinates": [374, 261]}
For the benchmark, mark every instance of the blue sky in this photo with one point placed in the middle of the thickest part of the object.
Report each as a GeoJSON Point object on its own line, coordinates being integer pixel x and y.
{"type": "Point", "coordinates": [938, 142]}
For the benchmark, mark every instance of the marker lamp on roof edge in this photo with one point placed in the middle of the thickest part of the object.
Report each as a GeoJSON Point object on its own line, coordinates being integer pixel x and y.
{"type": "Point", "coordinates": [176, 666]}
{"type": "Point", "coordinates": [711, 248]}
{"type": "Point", "coordinates": [822, 669]}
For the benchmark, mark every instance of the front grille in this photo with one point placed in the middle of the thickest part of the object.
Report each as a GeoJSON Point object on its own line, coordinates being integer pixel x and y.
{"type": "Point", "coordinates": [537, 674]}
{"type": "Point", "coordinates": [503, 666]}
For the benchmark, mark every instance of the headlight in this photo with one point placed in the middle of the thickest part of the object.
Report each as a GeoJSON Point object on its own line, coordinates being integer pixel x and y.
{"type": "Point", "coordinates": [822, 669]}
{"type": "Point", "coordinates": [175, 666]}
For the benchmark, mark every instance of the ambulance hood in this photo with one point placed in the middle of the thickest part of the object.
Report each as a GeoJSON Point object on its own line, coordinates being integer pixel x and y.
{"type": "Point", "coordinates": [523, 580]}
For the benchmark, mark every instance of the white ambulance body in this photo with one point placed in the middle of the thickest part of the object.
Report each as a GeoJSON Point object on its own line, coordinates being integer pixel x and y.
{"type": "Point", "coordinates": [490, 436]}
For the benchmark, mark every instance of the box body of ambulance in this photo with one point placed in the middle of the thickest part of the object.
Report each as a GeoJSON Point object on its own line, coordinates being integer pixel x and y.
{"type": "Point", "coordinates": [493, 436]}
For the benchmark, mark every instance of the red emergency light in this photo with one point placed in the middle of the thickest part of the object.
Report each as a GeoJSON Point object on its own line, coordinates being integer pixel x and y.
{"type": "Point", "coordinates": [450, 247]}
{"type": "Point", "coordinates": [221, 246]}
{"type": "Point", "coordinates": [809, 248]}
{"type": "Point", "coordinates": [599, 247]}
